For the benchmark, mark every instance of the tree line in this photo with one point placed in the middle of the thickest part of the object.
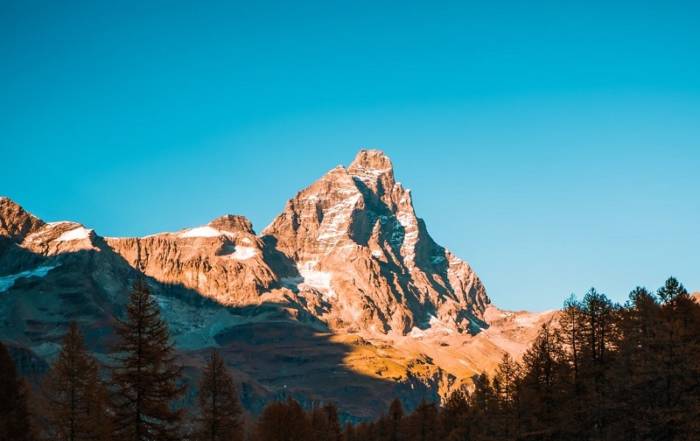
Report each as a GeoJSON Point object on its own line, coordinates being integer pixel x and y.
{"type": "Point", "coordinates": [600, 372]}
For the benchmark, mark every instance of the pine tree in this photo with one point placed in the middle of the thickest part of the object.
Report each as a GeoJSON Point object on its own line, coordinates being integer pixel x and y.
{"type": "Point", "coordinates": [600, 332]}
{"type": "Point", "coordinates": [571, 332]}
{"type": "Point", "coordinates": [15, 421]}
{"type": "Point", "coordinates": [545, 387]}
{"type": "Point", "coordinates": [456, 417]}
{"type": "Point", "coordinates": [672, 290]}
{"type": "Point", "coordinates": [220, 410]}
{"type": "Point", "coordinates": [146, 375]}
{"type": "Point", "coordinates": [483, 404]}
{"type": "Point", "coordinates": [680, 363]}
{"type": "Point", "coordinates": [636, 378]}
{"type": "Point", "coordinates": [422, 423]}
{"type": "Point", "coordinates": [76, 399]}
{"type": "Point", "coordinates": [506, 383]}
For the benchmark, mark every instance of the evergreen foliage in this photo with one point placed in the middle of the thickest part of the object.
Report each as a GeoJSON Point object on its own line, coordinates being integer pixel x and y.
{"type": "Point", "coordinates": [75, 398]}
{"type": "Point", "coordinates": [146, 375]}
{"type": "Point", "coordinates": [219, 408]}
{"type": "Point", "coordinates": [602, 372]}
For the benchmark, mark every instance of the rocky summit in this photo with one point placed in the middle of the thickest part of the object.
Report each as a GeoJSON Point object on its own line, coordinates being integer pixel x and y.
{"type": "Point", "coordinates": [343, 297]}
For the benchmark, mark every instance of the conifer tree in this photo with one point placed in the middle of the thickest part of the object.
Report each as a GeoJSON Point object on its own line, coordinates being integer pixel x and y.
{"type": "Point", "coordinates": [15, 421]}
{"type": "Point", "coordinates": [680, 362]}
{"type": "Point", "coordinates": [637, 385]}
{"type": "Point", "coordinates": [146, 374]}
{"type": "Point", "coordinates": [455, 417]}
{"type": "Point", "coordinates": [422, 423]}
{"type": "Point", "coordinates": [600, 331]}
{"type": "Point", "coordinates": [324, 423]}
{"type": "Point", "coordinates": [283, 421]}
{"type": "Point", "coordinates": [75, 397]}
{"type": "Point", "coordinates": [366, 431]}
{"type": "Point", "coordinates": [506, 383]}
{"type": "Point", "coordinates": [672, 290]}
{"type": "Point", "coordinates": [220, 410]}
{"type": "Point", "coordinates": [545, 386]}
{"type": "Point", "coordinates": [571, 333]}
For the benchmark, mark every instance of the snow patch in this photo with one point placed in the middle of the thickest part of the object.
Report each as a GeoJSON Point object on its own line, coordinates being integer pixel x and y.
{"type": "Point", "coordinates": [244, 253]}
{"type": "Point", "coordinates": [530, 319]}
{"type": "Point", "coordinates": [204, 231]}
{"type": "Point", "coordinates": [438, 326]}
{"type": "Point", "coordinates": [416, 333]}
{"type": "Point", "coordinates": [7, 282]}
{"type": "Point", "coordinates": [79, 233]}
{"type": "Point", "coordinates": [319, 280]}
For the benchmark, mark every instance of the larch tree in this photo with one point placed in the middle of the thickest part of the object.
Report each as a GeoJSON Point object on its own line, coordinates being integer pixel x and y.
{"type": "Point", "coordinates": [680, 364]}
{"type": "Point", "coordinates": [220, 409]}
{"type": "Point", "coordinates": [76, 399]}
{"type": "Point", "coordinates": [422, 423]}
{"type": "Point", "coordinates": [145, 375]}
{"type": "Point", "coordinates": [506, 383]}
{"type": "Point", "coordinates": [544, 386]}
{"type": "Point", "coordinates": [456, 416]}
{"type": "Point", "coordinates": [283, 421]}
{"type": "Point", "coordinates": [324, 423]}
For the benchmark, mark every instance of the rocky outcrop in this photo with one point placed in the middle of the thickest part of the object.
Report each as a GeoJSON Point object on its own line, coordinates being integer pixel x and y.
{"type": "Point", "coordinates": [15, 222]}
{"type": "Point", "coordinates": [223, 260]}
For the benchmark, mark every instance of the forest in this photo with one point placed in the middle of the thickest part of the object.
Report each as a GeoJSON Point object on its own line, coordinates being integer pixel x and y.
{"type": "Point", "coordinates": [601, 371]}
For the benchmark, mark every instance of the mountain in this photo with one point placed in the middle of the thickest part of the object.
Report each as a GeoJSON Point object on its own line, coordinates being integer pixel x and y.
{"type": "Point", "coordinates": [343, 297]}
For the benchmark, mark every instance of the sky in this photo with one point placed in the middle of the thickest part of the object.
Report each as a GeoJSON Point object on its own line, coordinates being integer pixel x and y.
{"type": "Point", "coordinates": [555, 146]}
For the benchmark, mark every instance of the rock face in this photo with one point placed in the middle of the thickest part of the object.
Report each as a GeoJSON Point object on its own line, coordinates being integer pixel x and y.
{"type": "Point", "coordinates": [354, 238]}
{"type": "Point", "coordinates": [344, 296]}
{"type": "Point", "coordinates": [15, 223]}
{"type": "Point", "coordinates": [222, 260]}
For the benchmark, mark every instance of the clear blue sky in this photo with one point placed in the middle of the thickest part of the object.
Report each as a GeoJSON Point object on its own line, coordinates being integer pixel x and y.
{"type": "Point", "coordinates": [555, 146]}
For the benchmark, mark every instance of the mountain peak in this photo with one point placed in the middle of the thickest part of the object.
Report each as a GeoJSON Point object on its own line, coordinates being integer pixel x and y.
{"type": "Point", "coordinates": [372, 167]}
{"type": "Point", "coordinates": [371, 160]}
{"type": "Point", "coordinates": [233, 223]}
{"type": "Point", "coordinates": [15, 221]}
{"type": "Point", "coordinates": [356, 244]}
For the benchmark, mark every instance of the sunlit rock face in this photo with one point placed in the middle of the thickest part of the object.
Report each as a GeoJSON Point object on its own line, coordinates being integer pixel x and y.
{"type": "Point", "coordinates": [222, 260]}
{"type": "Point", "coordinates": [15, 222]}
{"type": "Point", "coordinates": [354, 238]}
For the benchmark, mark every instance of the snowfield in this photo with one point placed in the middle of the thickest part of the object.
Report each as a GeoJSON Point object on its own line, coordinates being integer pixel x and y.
{"type": "Point", "coordinates": [79, 233]}
{"type": "Point", "coordinates": [7, 282]}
